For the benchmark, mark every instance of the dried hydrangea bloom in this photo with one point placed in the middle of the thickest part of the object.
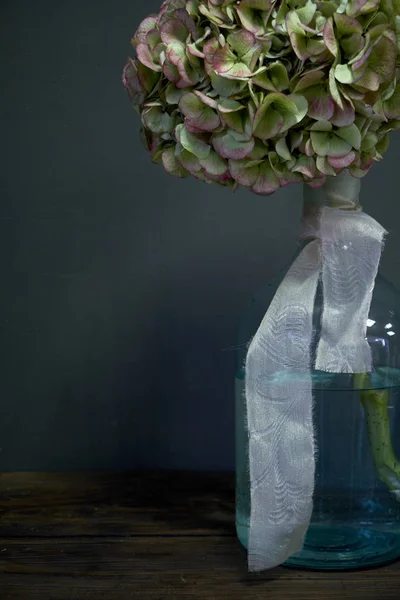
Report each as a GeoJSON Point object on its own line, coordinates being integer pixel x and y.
{"type": "Point", "coordinates": [262, 93]}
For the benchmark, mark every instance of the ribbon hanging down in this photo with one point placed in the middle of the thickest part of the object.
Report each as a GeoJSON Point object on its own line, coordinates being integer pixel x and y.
{"type": "Point", "coordinates": [345, 253]}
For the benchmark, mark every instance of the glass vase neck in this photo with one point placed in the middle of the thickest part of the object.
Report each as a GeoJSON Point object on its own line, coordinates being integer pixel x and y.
{"type": "Point", "coordinates": [341, 192]}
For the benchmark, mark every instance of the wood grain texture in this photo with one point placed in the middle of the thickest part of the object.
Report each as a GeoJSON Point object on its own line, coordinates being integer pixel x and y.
{"type": "Point", "coordinates": [116, 503]}
{"type": "Point", "coordinates": [54, 545]}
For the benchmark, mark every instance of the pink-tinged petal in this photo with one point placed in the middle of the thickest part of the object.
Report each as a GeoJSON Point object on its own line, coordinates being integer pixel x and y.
{"type": "Point", "coordinates": [241, 41]}
{"type": "Point", "coordinates": [145, 57]}
{"type": "Point", "coordinates": [209, 49]}
{"type": "Point", "coordinates": [223, 60]}
{"type": "Point", "coordinates": [130, 80]}
{"type": "Point", "coordinates": [369, 81]}
{"type": "Point", "coordinates": [214, 164]}
{"type": "Point", "coordinates": [187, 20]}
{"type": "Point", "coordinates": [267, 181]}
{"type": "Point", "coordinates": [171, 72]}
{"type": "Point", "coordinates": [306, 166]}
{"type": "Point", "coordinates": [343, 162]}
{"type": "Point", "coordinates": [342, 118]}
{"type": "Point", "coordinates": [177, 28]}
{"type": "Point", "coordinates": [298, 41]}
{"type": "Point", "coordinates": [188, 75]}
{"type": "Point", "coordinates": [346, 26]}
{"type": "Point", "coordinates": [366, 162]}
{"type": "Point", "coordinates": [320, 104]}
{"type": "Point", "coordinates": [153, 38]}
{"type": "Point", "coordinates": [189, 161]}
{"type": "Point", "coordinates": [207, 121]}
{"type": "Point", "coordinates": [175, 53]}
{"type": "Point", "coordinates": [238, 71]}
{"type": "Point", "coordinates": [194, 51]}
{"type": "Point", "coordinates": [190, 126]}
{"type": "Point", "coordinates": [329, 37]}
{"type": "Point", "coordinates": [171, 165]}
{"type": "Point", "coordinates": [206, 99]}
{"type": "Point", "coordinates": [308, 80]}
{"type": "Point", "coordinates": [172, 31]}
{"type": "Point", "coordinates": [360, 7]}
{"type": "Point", "coordinates": [362, 58]}
{"type": "Point", "coordinates": [309, 149]}
{"type": "Point", "coordinates": [242, 173]}
{"type": "Point", "coordinates": [145, 26]}
{"type": "Point", "coordinates": [227, 147]}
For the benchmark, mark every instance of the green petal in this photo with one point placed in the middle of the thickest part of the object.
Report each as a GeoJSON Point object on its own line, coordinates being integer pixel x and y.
{"type": "Point", "coordinates": [307, 13]}
{"type": "Point", "coordinates": [171, 165]}
{"type": "Point", "coordinates": [392, 106]}
{"type": "Point", "coordinates": [278, 76]}
{"type": "Point", "coordinates": [383, 59]}
{"type": "Point", "coordinates": [351, 135]}
{"type": "Point", "coordinates": [243, 173]}
{"type": "Point", "coordinates": [321, 126]}
{"type": "Point", "coordinates": [338, 147]}
{"type": "Point", "coordinates": [369, 80]}
{"type": "Point", "coordinates": [333, 88]}
{"type": "Point", "coordinates": [228, 147]}
{"type": "Point", "coordinates": [191, 142]}
{"type": "Point", "coordinates": [324, 167]}
{"type": "Point", "coordinates": [309, 80]}
{"type": "Point", "coordinates": [369, 141]}
{"type": "Point", "coordinates": [200, 115]}
{"type": "Point", "coordinates": [229, 105]}
{"type": "Point", "coordinates": [224, 87]}
{"type": "Point", "coordinates": [306, 166]}
{"type": "Point", "coordinates": [214, 164]}
{"type": "Point", "coordinates": [282, 149]}
{"type": "Point", "coordinates": [267, 182]}
{"type": "Point", "coordinates": [320, 142]}
{"type": "Point", "coordinates": [344, 74]}
{"type": "Point", "coordinates": [267, 123]}
{"type": "Point", "coordinates": [241, 42]}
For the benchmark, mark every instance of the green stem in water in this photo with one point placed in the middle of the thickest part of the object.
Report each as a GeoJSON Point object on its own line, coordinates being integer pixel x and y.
{"type": "Point", "coordinates": [376, 407]}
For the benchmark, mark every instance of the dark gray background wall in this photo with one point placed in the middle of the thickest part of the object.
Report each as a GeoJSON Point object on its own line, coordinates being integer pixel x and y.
{"type": "Point", "coordinates": [121, 287]}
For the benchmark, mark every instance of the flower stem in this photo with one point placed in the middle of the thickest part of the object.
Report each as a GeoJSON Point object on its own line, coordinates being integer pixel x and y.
{"type": "Point", "coordinates": [376, 406]}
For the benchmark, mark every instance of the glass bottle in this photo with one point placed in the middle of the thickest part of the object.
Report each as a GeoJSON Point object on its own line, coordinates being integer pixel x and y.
{"type": "Point", "coordinates": [356, 517]}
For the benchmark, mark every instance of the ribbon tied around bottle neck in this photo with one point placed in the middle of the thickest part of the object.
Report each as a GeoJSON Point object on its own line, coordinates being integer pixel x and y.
{"type": "Point", "coordinates": [342, 255]}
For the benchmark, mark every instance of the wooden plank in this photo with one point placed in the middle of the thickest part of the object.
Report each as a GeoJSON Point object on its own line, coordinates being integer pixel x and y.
{"type": "Point", "coordinates": [116, 503]}
{"type": "Point", "coordinates": [167, 568]}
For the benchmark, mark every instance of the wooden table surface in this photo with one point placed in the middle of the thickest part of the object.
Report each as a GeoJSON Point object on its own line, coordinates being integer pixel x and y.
{"type": "Point", "coordinates": [159, 536]}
